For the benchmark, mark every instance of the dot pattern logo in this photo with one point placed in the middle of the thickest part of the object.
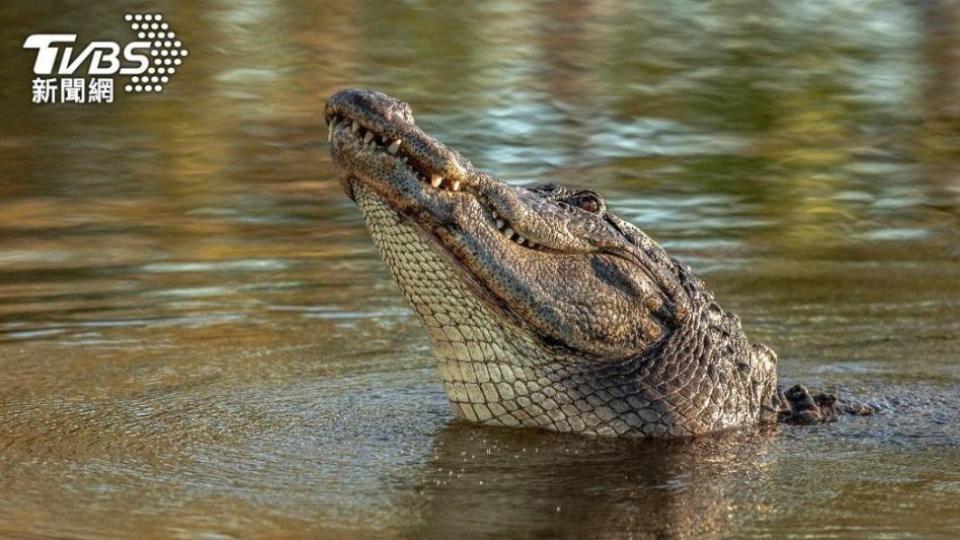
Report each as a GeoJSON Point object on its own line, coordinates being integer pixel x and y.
{"type": "Point", "coordinates": [166, 52]}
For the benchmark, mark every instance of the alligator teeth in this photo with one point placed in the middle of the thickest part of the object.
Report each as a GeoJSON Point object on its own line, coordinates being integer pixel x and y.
{"type": "Point", "coordinates": [492, 212]}
{"type": "Point", "coordinates": [368, 137]}
{"type": "Point", "coordinates": [500, 224]}
{"type": "Point", "coordinates": [355, 127]}
{"type": "Point", "coordinates": [520, 239]}
{"type": "Point", "coordinates": [394, 146]}
{"type": "Point", "coordinates": [456, 185]}
{"type": "Point", "coordinates": [436, 180]}
{"type": "Point", "coordinates": [508, 232]}
{"type": "Point", "coordinates": [331, 128]}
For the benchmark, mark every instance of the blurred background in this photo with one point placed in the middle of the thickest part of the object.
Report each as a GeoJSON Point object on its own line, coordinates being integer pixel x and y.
{"type": "Point", "coordinates": [198, 338]}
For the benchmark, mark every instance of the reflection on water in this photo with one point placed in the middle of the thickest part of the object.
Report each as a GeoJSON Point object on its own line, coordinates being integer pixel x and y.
{"type": "Point", "coordinates": [501, 483]}
{"type": "Point", "coordinates": [198, 338]}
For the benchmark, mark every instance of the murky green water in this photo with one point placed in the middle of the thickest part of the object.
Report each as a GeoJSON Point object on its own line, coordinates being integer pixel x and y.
{"type": "Point", "coordinates": [197, 338]}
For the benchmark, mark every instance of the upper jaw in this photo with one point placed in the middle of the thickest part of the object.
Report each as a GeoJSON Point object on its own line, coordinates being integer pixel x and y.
{"type": "Point", "coordinates": [374, 140]}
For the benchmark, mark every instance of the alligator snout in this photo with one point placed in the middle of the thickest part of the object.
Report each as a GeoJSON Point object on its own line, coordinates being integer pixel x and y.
{"type": "Point", "coordinates": [368, 103]}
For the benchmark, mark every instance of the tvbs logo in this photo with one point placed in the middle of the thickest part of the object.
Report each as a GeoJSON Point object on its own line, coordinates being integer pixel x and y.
{"type": "Point", "coordinates": [68, 73]}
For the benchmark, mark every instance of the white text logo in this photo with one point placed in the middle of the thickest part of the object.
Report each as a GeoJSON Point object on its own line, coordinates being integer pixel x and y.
{"type": "Point", "coordinates": [67, 72]}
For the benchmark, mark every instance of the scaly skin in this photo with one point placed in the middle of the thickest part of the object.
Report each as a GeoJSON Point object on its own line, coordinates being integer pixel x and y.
{"type": "Point", "coordinates": [543, 307]}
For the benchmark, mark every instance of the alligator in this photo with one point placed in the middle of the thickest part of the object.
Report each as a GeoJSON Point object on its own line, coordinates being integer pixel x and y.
{"type": "Point", "coordinates": [543, 307]}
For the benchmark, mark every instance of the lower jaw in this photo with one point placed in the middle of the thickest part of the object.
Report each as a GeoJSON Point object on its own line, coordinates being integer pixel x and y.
{"type": "Point", "coordinates": [468, 338]}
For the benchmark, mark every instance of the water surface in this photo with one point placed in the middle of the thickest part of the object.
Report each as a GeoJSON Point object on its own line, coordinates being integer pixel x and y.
{"type": "Point", "coordinates": [198, 339]}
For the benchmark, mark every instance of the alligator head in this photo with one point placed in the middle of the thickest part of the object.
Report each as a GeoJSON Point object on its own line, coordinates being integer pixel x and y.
{"type": "Point", "coordinates": [543, 307]}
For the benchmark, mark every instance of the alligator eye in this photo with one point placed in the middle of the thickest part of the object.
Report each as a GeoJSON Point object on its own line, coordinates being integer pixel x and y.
{"type": "Point", "coordinates": [590, 204]}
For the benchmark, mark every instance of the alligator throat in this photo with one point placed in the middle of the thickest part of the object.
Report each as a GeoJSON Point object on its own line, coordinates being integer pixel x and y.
{"type": "Point", "coordinates": [492, 371]}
